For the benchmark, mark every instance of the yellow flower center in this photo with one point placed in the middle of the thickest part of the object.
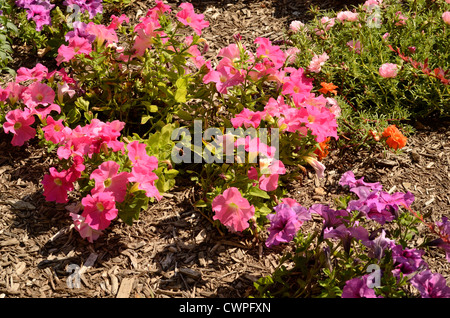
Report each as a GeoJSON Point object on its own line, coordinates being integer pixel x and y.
{"type": "Point", "coordinates": [107, 183]}
{"type": "Point", "coordinates": [233, 207]}
{"type": "Point", "coordinates": [100, 206]}
{"type": "Point", "coordinates": [57, 181]}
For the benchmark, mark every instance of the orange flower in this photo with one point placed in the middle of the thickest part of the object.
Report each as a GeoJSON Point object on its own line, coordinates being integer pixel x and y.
{"type": "Point", "coordinates": [328, 88]}
{"type": "Point", "coordinates": [322, 150]}
{"type": "Point", "coordinates": [395, 138]}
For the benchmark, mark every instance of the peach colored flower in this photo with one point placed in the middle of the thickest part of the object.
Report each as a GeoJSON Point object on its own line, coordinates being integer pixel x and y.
{"type": "Point", "coordinates": [388, 70]}
{"type": "Point", "coordinates": [446, 17]}
{"type": "Point", "coordinates": [395, 138]}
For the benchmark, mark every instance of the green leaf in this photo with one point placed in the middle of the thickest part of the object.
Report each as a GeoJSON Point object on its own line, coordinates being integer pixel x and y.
{"type": "Point", "coordinates": [73, 116]}
{"type": "Point", "coordinates": [200, 204]}
{"type": "Point", "coordinates": [130, 211]}
{"type": "Point", "coordinates": [180, 94]}
{"type": "Point", "coordinates": [145, 119]}
{"type": "Point", "coordinates": [150, 107]}
{"type": "Point", "coordinates": [184, 115]}
{"type": "Point", "coordinates": [82, 104]}
{"type": "Point", "coordinates": [257, 192]}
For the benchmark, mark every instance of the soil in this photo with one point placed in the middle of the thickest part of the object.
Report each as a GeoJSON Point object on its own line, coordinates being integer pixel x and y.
{"type": "Point", "coordinates": [173, 251]}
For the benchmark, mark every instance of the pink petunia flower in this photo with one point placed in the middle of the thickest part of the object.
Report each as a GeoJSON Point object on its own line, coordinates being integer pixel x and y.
{"type": "Point", "coordinates": [15, 91]}
{"type": "Point", "coordinates": [18, 123]}
{"type": "Point", "coordinates": [158, 10]}
{"type": "Point", "coordinates": [146, 34]}
{"type": "Point", "coordinates": [99, 210]}
{"type": "Point", "coordinates": [317, 165]}
{"type": "Point", "coordinates": [84, 229]}
{"type": "Point", "coordinates": [270, 169]}
{"type": "Point", "coordinates": [321, 121]}
{"type": "Point", "coordinates": [38, 94]}
{"type": "Point", "coordinates": [233, 210]}
{"type": "Point", "coordinates": [145, 177]}
{"type": "Point", "coordinates": [56, 185]}
{"type": "Point", "coordinates": [224, 77]}
{"type": "Point", "coordinates": [63, 89]}
{"type": "Point", "coordinates": [103, 34]}
{"type": "Point", "coordinates": [138, 154]}
{"type": "Point", "coordinates": [107, 178]}
{"type": "Point", "coordinates": [388, 70]}
{"type": "Point", "coordinates": [74, 172]}
{"type": "Point", "coordinates": [298, 86]}
{"type": "Point", "coordinates": [117, 21]}
{"type": "Point", "coordinates": [77, 45]}
{"type": "Point", "coordinates": [37, 73]}
{"type": "Point", "coordinates": [55, 131]}
{"type": "Point", "coordinates": [268, 51]}
{"type": "Point", "coordinates": [187, 16]}
{"type": "Point", "coordinates": [248, 118]}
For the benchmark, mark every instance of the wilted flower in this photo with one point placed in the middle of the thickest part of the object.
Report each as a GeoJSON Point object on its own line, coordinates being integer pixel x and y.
{"type": "Point", "coordinates": [84, 229]}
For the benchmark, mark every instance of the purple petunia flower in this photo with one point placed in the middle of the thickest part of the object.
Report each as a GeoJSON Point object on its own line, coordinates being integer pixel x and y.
{"type": "Point", "coordinates": [407, 261]}
{"type": "Point", "coordinates": [444, 240]}
{"type": "Point", "coordinates": [79, 30]}
{"type": "Point", "coordinates": [285, 223]}
{"type": "Point", "coordinates": [348, 179]}
{"type": "Point", "coordinates": [93, 7]}
{"type": "Point", "coordinates": [358, 288]}
{"type": "Point", "coordinates": [431, 285]}
{"type": "Point", "coordinates": [376, 204]}
{"type": "Point", "coordinates": [38, 11]}
{"type": "Point", "coordinates": [332, 218]}
{"type": "Point", "coordinates": [378, 245]}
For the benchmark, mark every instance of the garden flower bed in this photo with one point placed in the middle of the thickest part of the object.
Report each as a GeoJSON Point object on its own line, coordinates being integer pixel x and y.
{"type": "Point", "coordinates": [91, 181]}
